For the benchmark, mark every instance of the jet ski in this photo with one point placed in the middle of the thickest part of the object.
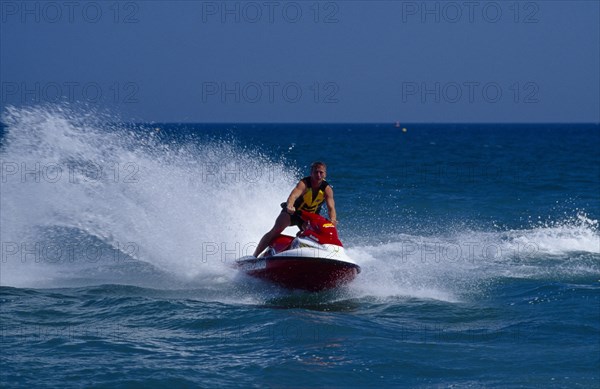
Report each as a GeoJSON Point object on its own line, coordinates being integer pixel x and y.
{"type": "Point", "coordinates": [314, 260]}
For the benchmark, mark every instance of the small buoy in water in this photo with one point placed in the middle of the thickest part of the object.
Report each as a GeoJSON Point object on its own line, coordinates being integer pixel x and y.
{"type": "Point", "coordinates": [404, 129]}
{"type": "Point", "coordinates": [157, 129]}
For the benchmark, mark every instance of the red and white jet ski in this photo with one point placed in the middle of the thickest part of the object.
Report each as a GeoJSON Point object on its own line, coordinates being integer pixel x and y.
{"type": "Point", "coordinates": [314, 260]}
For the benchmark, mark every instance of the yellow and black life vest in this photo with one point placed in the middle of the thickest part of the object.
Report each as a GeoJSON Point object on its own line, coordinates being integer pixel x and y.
{"type": "Point", "coordinates": [310, 200]}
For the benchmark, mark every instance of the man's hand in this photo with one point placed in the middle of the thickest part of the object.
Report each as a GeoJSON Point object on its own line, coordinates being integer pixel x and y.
{"type": "Point", "coordinates": [290, 209]}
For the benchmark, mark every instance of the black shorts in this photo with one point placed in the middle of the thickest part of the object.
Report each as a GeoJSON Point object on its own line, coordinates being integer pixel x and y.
{"type": "Point", "coordinates": [295, 219]}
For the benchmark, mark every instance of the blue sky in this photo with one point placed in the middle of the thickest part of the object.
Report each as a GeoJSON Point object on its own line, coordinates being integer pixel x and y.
{"type": "Point", "coordinates": [307, 61]}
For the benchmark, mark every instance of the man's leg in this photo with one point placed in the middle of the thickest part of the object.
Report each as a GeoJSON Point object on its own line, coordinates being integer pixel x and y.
{"type": "Point", "coordinates": [281, 223]}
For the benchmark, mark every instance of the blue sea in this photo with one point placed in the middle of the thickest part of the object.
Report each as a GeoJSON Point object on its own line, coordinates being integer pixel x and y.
{"type": "Point", "coordinates": [479, 246]}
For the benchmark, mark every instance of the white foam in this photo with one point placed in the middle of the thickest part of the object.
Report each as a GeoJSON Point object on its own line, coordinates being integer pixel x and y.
{"type": "Point", "coordinates": [579, 234]}
{"type": "Point", "coordinates": [187, 209]}
{"type": "Point", "coordinates": [454, 266]}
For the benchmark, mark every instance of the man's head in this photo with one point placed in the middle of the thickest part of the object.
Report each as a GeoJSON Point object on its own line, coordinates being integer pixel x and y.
{"type": "Point", "coordinates": [318, 171]}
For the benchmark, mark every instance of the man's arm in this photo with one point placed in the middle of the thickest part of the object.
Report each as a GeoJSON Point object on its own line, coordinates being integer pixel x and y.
{"type": "Point", "coordinates": [296, 192]}
{"type": "Point", "coordinates": [330, 204]}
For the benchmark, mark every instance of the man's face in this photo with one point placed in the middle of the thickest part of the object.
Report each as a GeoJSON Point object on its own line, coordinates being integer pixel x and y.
{"type": "Point", "coordinates": [319, 173]}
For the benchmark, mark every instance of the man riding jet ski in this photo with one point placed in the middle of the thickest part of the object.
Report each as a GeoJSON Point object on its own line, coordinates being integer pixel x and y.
{"type": "Point", "coordinates": [315, 259]}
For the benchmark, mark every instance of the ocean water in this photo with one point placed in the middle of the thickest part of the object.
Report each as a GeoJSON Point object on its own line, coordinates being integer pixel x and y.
{"type": "Point", "coordinates": [479, 247]}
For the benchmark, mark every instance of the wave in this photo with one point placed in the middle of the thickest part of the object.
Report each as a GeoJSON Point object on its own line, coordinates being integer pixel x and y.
{"type": "Point", "coordinates": [453, 266]}
{"type": "Point", "coordinates": [176, 207]}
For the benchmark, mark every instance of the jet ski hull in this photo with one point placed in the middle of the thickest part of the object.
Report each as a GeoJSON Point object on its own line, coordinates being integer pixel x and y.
{"type": "Point", "coordinates": [313, 260]}
{"type": "Point", "coordinates": [311, 274]}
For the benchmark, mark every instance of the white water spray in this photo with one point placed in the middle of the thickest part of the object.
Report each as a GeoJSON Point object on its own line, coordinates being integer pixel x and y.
{"type": "Point", "coordinates": [186, 209]}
